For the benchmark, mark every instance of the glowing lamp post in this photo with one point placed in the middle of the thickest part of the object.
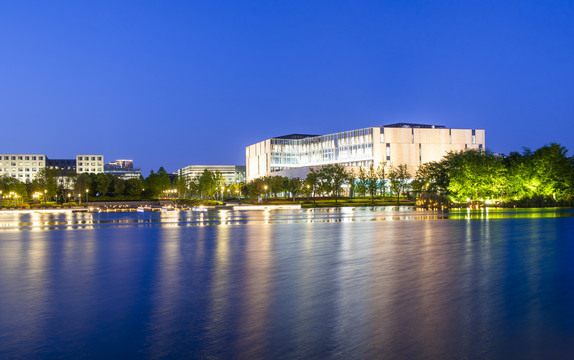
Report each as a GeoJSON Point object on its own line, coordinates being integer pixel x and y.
{"type": "Point", "coordinates": [265, 193]}
{"type": "Point", "coordinates": [87, 191]}
{"type": "Point", "coordinates": [45, 195]}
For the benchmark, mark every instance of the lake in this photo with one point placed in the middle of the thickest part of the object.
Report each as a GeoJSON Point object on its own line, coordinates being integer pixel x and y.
{"type": "Point", "coordinates": [343, 283]}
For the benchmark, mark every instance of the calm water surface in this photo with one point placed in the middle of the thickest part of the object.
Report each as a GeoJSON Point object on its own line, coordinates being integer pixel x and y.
{"type": "Point", "coordinates": [347, 284]}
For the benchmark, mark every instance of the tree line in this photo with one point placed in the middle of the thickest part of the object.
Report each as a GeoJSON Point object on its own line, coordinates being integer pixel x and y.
{"type": "Point", "coordinates": [333, 181]}
{"type": "Point", "coordinates": [544, 177]}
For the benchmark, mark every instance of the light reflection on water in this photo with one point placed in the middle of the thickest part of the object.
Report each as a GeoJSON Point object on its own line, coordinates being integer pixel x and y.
{"type": "Point", "coordinates": [288, 284]}
{"type": "Point", "coordinates": [38, 222]}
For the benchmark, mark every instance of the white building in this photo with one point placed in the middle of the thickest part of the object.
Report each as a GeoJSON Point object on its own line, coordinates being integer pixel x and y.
{"type": "Point", "coordinates": [21, 166]}
{"type": "Point", "coordinates": [390, 145]}
{"type": "Point", "coordinates": [93, 164]}
{"type": "Point", "coordinates": [233, 174]}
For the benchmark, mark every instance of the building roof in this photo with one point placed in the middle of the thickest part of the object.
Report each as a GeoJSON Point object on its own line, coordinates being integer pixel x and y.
{"type": "Point", "coordinates": [295, 136]}
{"type": "Point", "coordinates": [417, 126]}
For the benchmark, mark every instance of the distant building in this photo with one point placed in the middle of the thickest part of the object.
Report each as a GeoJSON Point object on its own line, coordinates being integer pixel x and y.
{"type": "Point", "coordinates": [23, 167]}
{"type": "Point", "coordinates": [65, 168]}
{"type": "Point", "coordinates": [124, 169]}
{"type": "Point", "coordinates": [92, 164]}
{"type": "Point", "coordinates": [233, 174]}
{"type": "Point", "coordinates": [402, 143]}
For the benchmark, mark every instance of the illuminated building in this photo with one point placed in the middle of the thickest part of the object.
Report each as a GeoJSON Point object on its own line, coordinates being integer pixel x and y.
{"type": "Point", "coordinates": [389, 145]}
{"type": "Point", "coordinates": [233, 174]}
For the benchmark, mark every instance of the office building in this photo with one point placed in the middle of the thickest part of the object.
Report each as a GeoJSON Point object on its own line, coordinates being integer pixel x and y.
{"type": "Point", "coordinates": [23, 167]}
{"type": "Point", "coordinates": [233, 174]}
{"type": "Point", "coordinates": [124, 169]}
{"type": "Point", "coordinates": [93, 164]}
{"type": "Point", "coordinates": [389, 145]}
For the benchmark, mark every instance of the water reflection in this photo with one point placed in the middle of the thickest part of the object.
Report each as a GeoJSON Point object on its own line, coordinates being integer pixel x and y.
{"type": "Point", "coordinates": [288, 284]}
{"type": "Point", "coordinates": [69, 221]}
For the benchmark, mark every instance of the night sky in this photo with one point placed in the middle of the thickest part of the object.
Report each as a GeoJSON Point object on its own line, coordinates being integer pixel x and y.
{"type": "Point", "coordinates": [174, 83]}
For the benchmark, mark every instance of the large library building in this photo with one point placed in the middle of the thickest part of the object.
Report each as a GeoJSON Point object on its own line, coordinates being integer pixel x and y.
{"type": "Point", "coordinates": [390, 145]}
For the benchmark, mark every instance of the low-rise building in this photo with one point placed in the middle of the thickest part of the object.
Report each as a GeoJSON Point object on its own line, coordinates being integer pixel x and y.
{"type": "Point", "coordinates": [23, 167]}
{"type": "Point", "coordinates": [124, 169]}
{"type": "Point", "coordinates": [92, 164]}
{"type": "Point", "coordinates": [233, 174]}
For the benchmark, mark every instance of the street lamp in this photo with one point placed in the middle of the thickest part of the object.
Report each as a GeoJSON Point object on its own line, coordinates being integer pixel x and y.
{"type": "Point", "coordinates": [0, 199]}
{"type": "Point", "coordinates": [87, 191]}
{"type": "Point", "coordinates": [265, 192]}
{"type": "Point", "coordinates": [308, 192]}
{"type": "Point", "coordinates": [69, 197]}
{"type": "Point", "coordinates": [45, 193]}
{"type": "Point", "coordinates": [79, 199]}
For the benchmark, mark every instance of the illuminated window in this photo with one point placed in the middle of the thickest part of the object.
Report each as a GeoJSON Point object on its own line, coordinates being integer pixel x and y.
{"type": "Point", "coordinates": [388, 152]}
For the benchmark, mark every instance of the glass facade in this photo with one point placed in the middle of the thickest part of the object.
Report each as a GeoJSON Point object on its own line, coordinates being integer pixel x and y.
{"type": "Point", "coordinates": [354, 148]}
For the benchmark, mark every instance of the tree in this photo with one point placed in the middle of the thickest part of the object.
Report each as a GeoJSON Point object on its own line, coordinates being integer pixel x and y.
{"type": "Point", "coordinates": [381, 173]}
{"type": "Point", "coordinates": [362, 182]}
{"type": "Point", "coordinates": [83, 182]}
{"type": "Point", "coordinates": [553, 170]}
{"type": "Point", "coordinates": [118, 185]}
{"type": "Point", "coordinates": [103, 182]}
{"type": "Point", "coordinates": [475, 175]}
{"type": "Point", "coordinates": [374, 181]}
{"type": "Point", "coordinates": [46, 179]}
{"type": "Point", "coordinates": [399, 177]}
{"type": "Point", "coordinates": [158, 182]}
{"type": "Point", "coordinates": [134, 187]}
{"type": "Point", "coordinates": [255, 188]}
{"type": "Point", "coordinates": [313, 182]}
{"type": "Point", "coordinates": [294, 186]}
{"type": "Point", "coordinates": [181, 184]}
{"type": "Point", "coordinates": [332, 179]}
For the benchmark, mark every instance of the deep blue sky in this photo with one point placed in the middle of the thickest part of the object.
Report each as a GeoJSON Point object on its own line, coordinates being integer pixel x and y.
{"type": "Point", "coordinates": [175, 83]}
